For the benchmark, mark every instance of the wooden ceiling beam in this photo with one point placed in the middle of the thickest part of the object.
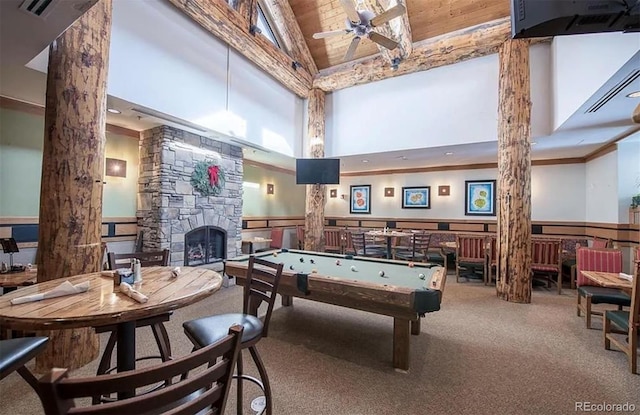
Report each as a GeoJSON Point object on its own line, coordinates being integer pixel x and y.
{"type": "Point", "coordinates": [397, 29]}
{"type": "Point", "coordinates": [289, 31]}
{"type": "Point", "coordinates": [231, 27]}
{"type": "Point", "coordinates": [454, 47]}
{"type": "Point", "coordinates": [247, 9]}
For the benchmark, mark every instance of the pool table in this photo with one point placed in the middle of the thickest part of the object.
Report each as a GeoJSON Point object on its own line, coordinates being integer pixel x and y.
{"type": "Point", "coordinates": [402, 292]}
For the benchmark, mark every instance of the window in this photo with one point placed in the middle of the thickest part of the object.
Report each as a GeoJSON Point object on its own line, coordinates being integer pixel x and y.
{"type": "Point", "coordinates": [265, 27]}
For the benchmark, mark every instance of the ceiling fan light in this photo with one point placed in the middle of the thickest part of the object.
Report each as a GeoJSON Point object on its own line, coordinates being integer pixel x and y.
{"type": "Point", "coordinates": [634, 94]}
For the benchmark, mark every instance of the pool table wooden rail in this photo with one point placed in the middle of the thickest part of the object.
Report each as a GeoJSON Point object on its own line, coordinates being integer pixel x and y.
{"type": "Point", "coordinates": [385, 299]}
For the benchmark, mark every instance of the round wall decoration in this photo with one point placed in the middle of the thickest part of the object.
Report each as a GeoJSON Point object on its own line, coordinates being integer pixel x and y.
{"type": "Point", "coordinates": [208, 178]}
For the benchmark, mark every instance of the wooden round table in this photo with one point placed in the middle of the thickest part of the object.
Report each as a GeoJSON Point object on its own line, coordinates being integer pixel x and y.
{"type": "Point", "coordinates": [9, 281]}
{"type": "Point", "coordinates": [101, 306]}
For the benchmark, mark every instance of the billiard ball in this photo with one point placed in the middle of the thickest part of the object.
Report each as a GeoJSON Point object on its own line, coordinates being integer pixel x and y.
{"type": "Point", "coordinates": [381, 273]}
{"type": "Point", "coordinates": [290, 266]}
{"type": "Point", "coordinates": [314, 271]}
{"type": "Point", "coordinates": [275, 254]}
{"type": "Point", "coordinates": [411, 264]}
{"type": "Point", "coordinates": [312, 261]}
{"type": "Point", "coordinates": [421, 276]}
{"type": "Point", "coordinates": [338, 262]}
{"type": "Point", "coordinates": [301, 259]}
{"type": "Point", "coordinates": [353, 268]}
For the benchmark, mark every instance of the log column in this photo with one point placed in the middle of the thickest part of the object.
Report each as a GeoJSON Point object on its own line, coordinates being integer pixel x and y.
{"type": "Point", "coordinates": [514, 173]}
{"type": "Point", "coordinates": [316, 193]}
{"type": "Point", "coordinates": [70, 228]}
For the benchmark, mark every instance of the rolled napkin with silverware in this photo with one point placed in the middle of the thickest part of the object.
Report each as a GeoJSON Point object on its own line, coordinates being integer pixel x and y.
{"type": "Point", "coordinates": [127, 289]}
{"type": "Point", "coordinates": [175, 272]}
{"type": "Point", "coordinates": [66, 288]}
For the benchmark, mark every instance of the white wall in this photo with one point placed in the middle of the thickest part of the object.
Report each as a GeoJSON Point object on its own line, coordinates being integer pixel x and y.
{"type": "Point", "coordinates": [161, 59]}
{"type": "Point", "coordinates": [628, 174]}
{"type": "Point", "coordinates": [557, 193]}
{"type": "Point", "coordinates": [582, 64]}
{"type": "Point", "coordinates": [601, 198]}
{"type": "Point", "coordinates": [450, 105]}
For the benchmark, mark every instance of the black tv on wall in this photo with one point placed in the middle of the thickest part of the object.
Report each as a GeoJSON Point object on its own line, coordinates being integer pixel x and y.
{"type": "Point", "coordinates": [541, 18]}
{"type": "Point", "coordinates": [317, 171]}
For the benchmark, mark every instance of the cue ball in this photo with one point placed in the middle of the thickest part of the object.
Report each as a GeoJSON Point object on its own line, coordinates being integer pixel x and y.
{"type": "Point", "coordinates": [312, 261]}
{"type": "Point", "coordinates": [381, 273]}
{"type": "Point", "coordinates": [421, 276]}
{"type": "Point", "coordinates": [337, 262]}
{"type": "Point", "coordinates": [411, 264]}
{"type": "Point", "coordinates": [275, 254]}
{"type": "Point", "coordinates": [314, 271]}
{"type": "Point", "coordinates": [301, 259]}
{"type": "Point", "coordinates": [353, 268]}
{"type": "Point", "coordinates": [290, 266]}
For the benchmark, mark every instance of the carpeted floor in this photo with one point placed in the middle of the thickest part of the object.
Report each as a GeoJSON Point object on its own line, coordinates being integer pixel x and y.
{"type": "Point", "coordinates": [478, 355]}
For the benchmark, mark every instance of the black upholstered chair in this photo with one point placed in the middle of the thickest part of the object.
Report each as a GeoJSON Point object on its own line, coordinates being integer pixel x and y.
{"type": "Point", "coordinates": [15, 353]}
{"type": "Point", "coordinates": [206, 391]}
{"type": "Point", "coordinates": [260, 285]}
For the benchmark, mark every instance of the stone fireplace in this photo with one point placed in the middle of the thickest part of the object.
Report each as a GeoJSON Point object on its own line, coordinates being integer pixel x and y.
{"type": "Point", "coordinates": [197, 229]}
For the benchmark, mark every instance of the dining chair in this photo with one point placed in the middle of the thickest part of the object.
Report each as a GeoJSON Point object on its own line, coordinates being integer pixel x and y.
{"type": "Point", "coordinates": [599, 243]}
{"type": "Point", "coordinates": [627, 323]}
{"type": "Point", "coordinates": [470, 253]}
{"type": "Point", "coordinates": [546, 259]}
{"type": "Point", "coordinates": [364, 247]}
{"type": "Point", "coordinates": [16, 353]}
{"type": "Point", "coordinates": [300, 236]}
{"type": "Point", "coordinates": [203, 391]}
{"type": "Point", "coordinates": [147, 259]}
{"type": "Point", "coordinates": [333, 240]}
{"type": "Point", "coordinates": [418, 248]}
{"type": "Point", "coordinates": [260, 286]}
{"type": "Point", "coordinates": [492, 259]}
{"type": "Point", "coordinates": [277, 235]}
{"type": "Point", "coordinates": [602, 260]}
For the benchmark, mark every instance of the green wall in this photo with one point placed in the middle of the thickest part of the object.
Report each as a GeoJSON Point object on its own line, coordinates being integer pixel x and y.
{"type": "Point", "coordinates": [21, 141]}
{"type": "Point", "coordinates": [287, 200]}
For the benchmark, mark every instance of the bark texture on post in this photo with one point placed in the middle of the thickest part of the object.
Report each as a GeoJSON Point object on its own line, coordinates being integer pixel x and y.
{"type": "Point", "coordinates": [70, 228]}
{"type": "Point", "coordinates": [514, 173]}
{"type": "Point", "coordinates": [316, 193]}
{"type": "Point", "coordinates": [636, 115]}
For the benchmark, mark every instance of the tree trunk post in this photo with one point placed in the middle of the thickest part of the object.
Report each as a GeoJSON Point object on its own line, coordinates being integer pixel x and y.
{"type": "Point", "coordinates": [514, 173]}
{"type": "Point", "coordinates": [70, 227]}
{"type": "Point", "coordinates": [316, 193]}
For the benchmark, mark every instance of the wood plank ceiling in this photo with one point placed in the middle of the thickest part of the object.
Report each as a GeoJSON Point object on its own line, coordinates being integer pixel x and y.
{"type": "Point", "coordinates": [428, 18]}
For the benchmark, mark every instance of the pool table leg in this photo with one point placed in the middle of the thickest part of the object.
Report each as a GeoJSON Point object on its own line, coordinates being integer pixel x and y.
{"type": "Point", "coordinates": [401, 339]}
{"type": "Point", "coordinates": [287, 301]}
{"type": "Point", "coordinates": [415, 326]}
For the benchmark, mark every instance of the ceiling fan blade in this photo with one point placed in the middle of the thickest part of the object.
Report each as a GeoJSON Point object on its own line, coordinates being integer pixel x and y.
{"type": "Point", "coordinates": [384, 17]}
{"type": "Point", "coordinates": [330, 33]}
{"type": "Point", "coordinates": [383, 40]}
{"type": "Point", "coordinates": [351, 11]}
{"type": "Point", "coordinates": [352, 49]}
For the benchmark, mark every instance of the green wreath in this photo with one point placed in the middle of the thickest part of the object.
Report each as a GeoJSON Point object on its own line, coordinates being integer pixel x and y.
{"type": "Point", "coordinates": [208, 178]}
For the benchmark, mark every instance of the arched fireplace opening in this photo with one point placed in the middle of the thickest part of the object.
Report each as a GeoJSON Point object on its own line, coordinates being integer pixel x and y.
{"type": "Point", "coordinates": [205, 245]}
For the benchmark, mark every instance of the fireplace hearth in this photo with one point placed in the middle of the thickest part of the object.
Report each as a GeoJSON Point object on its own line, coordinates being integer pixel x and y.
{"type": "Point", "coordinates": [205, 245]}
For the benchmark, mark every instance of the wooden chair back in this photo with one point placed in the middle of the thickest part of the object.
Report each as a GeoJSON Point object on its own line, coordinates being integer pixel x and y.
{"type": "Point", "coordinates": [470, 248]}
{"type": "Point", "coordinates": [420, 244]}
{"type": "Point", "coordinates": [348, 247]}
{"type": "Point", "coordinates": [261, 286]}
{"type": "Point", "coordinates": [546, 254]}
{"type": "Point", "coordinates": [300, 236]}
{"type": "Point", "coordinates": [591, 259]}
{"type": "Point", "coordinates": [147, 259]}
{"type": "Point", "coordinates": [277, 234]}
{"type": "Point", "coordinates": [208, 387]}
{"type": "Point", "coordinates": [600, 243]}
{"type": "Point", "coordinates": [634, 310]}
{"type": "Point", "coordinates": [333, 240]}
{"type": "Point", "coordinates": [493, 250]}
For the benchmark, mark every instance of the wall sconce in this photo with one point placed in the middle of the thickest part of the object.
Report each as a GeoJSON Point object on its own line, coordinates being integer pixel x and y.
{"type": "Point", "coordinates": [333, 193]}
{"type": "Point", "coordinates": [444, 190]}
{"type": "Point", "coordinates": [270, 189]}
{"type": "Point", "coordinates": [115, 167]}
{"type": "Point", "coordinates": [389, 191]}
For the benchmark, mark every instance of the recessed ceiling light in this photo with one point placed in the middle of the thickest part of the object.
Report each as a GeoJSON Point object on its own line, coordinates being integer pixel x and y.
{"type": "Point", "coordinates": [448, 153]}
{"type": "Point", "coordinates": [635, 94]}
{"type": "Point", "coordinates": [113, 111]}
{"type": "Point", "coordinates": [365, 160]}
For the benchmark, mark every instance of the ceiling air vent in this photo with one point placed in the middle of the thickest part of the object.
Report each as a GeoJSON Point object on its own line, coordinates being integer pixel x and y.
{"type": "Point", "coordinates": [38, 8]}
{"type": "Point", "coordinates": [619, 87]}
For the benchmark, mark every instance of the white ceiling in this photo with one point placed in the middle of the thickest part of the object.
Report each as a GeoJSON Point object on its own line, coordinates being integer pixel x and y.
{"type": "Point", "coordinates": [24, 38]}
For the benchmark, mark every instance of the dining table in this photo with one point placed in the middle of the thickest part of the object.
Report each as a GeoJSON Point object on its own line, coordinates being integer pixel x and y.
{"type": "Point", "coordinates": [10, 281]}
{"type": "Point", "coordinates": [103, 304]}
{"type": "Point", "coordinates": [609, 280]}
{"type": "Point", "coordinates": [388, 235]}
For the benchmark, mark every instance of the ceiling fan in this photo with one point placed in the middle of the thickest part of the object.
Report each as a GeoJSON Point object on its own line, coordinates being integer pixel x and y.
{"type": "Point", "coordinates": [361, 23]}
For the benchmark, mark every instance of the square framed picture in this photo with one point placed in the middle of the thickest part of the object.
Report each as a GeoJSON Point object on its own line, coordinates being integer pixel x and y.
{"type": "Point", "coordinates": [480, 198]}
{"type": "Point", "coordinates": [360, 199]}
{"type": "Point", "coordinates": [416, 197]}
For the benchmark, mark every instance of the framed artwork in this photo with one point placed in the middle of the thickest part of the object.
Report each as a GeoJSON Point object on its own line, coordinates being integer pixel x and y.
{"type": "Point", "coordinates": [416, 197]}
{"type": "Point", "coordinates": [360, 199]}
{"type": "Point", "coordinates": [480, 198]}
